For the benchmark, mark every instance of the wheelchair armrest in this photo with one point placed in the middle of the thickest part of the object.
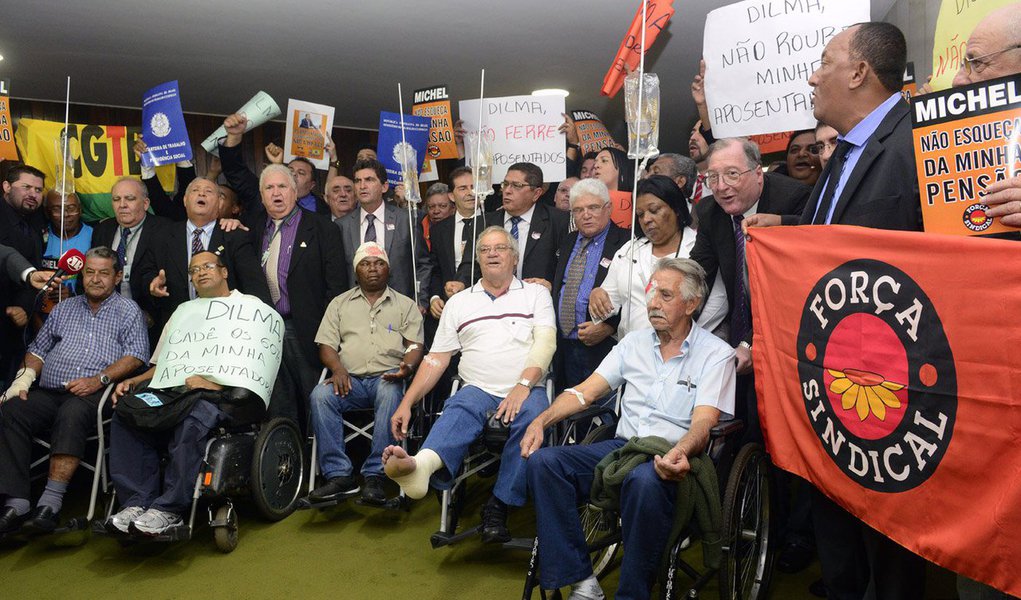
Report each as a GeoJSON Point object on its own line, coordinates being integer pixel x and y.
{"type": "Point", "coordinates": [589, 413]}
{"type": "Point", "coordinates": [725, 428]}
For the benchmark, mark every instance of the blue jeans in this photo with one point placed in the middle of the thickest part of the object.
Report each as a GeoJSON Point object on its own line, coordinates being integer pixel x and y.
{"type": "Point", "coordinates": [328, 423]}
{"type": "Point", "coordinates": [560, 479]}
{"type": "Point", "coordinates": [462, 422]}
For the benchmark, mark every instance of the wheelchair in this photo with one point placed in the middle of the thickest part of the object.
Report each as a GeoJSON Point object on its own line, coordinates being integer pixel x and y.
{"type": "Point", "coordinates": [747, 523]}
{"type": "Point", "coordinates": [353, 429]}
{"type": "Point", "coordinates": [244, 457]}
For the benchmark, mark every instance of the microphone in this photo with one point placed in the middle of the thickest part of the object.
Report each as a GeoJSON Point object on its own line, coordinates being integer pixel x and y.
{"type": "Point", "coordinates": [70, 263]}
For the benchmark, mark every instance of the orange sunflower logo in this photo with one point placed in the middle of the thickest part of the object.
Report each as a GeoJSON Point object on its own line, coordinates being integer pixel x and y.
{"type": "Point", "coordinates": [865, 392]}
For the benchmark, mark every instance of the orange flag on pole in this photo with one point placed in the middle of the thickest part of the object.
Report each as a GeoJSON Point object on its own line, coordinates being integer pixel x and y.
{"type": "Point", "coordinates": [887, 366]}
{"type": "Point", "coordinates": [657, 15]}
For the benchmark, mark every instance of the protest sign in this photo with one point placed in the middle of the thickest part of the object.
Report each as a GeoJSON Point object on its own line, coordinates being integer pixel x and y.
{"type": "Point", "coordinates": [308, 127]}
{"type": "Point", "coordinates": [430, 172]}
{"type": "Point", "coordinates": [258, 110]}
{"type": "Point", "coordinates": [965, 139]}
{"type": "Point", "coordinates": [592, 134]}
{"type": "Point", "coordinates": [759, 56]}
{"type": "Point", "coordinates": [163, 129]}
{"type": "Point", "coordinates": [434, 103]}
{"type": "Point", "coordinates": [772, 142]}
{"type": "Point", "coordinates": [657, 15]}
{"type": "Point", "coordinates": [886, 372]}
{"type": "Point", "coordinates": [954, 24]}
{"type": "Point", "coordinates": [233, 341]}
{"type": "Point", "coordinates": [391, 146]}
{"type": "Point", "coordinates": [100, 154]}
{"type": "Point", "coordinates": [8, 151]}
{"type": "Point", "coordinates": [521, 129]}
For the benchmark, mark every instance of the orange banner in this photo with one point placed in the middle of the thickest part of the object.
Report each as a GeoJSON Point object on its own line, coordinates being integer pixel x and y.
{"type": "Point", "coordinates": [772, 142]}
{"type": "Point", "coordinates": [592, 133]}
{"type": "Point", "coordinates": [887, 370]}
{"type": "Point", "coordinates": [434, 103]}
{"type": "Point", "coordinates": [8, 151]}
{"type": "Point", "coordinates": [657, 15]}
{"type": "Point", "coordinates": [965, 139]}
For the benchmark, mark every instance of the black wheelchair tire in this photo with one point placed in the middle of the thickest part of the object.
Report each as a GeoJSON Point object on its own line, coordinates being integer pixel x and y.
{"type": "Point", "coordinates": [748, 553]}
{"type": "Point", "coordinates": [278, 467]}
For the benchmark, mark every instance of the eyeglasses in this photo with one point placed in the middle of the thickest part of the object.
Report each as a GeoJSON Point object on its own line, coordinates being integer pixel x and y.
{"type": "Point", "coordinates": [206, 267]}
{"type": "Point", "coordinates": [729, 177]}
{"type": "Point", "coordinates": [592, 210]}
{"type": "Point", "coordinates": [979, 63]}
{"type": "Point", "coordinates": [499, 248]}
{"type": "Point", "coordinates": [517, 185]}
{"type": "Point", "coordinates": [818, 147]}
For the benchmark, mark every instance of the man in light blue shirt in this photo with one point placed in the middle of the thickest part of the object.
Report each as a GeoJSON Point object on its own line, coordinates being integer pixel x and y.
{"type": "Point", "coordinates": [680, 381]}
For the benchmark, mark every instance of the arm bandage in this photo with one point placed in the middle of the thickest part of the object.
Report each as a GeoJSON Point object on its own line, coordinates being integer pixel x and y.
{"type": "Point", "coordinates": [544, 344]}
{"type": "Point", "coordinates": [20, 384]}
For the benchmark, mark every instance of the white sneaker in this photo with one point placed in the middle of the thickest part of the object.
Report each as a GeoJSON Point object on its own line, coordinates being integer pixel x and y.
{"type": "Point", "coordinates": [587, 589]}
{"type": "Point", "coordinates": [155, 521]}
{"type": "Point", "coordinates": [121, 520]}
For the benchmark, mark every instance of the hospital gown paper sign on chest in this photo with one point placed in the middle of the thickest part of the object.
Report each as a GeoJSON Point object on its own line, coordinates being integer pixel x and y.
{"type": "Point", "coordinates": [233, 341]}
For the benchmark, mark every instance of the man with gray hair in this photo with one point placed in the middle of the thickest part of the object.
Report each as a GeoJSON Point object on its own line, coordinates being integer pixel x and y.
{"type": "Point", "coordinates": [505, 330]}
{"type": "Point", "coordinates": [680, 381]}
{"type": "Point", "coordinates": [584, 259]}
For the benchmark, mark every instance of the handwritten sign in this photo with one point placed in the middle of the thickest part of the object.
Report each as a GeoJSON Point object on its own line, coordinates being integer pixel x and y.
{"type": "Point", "coordinates": [434, 103]}
{"type": "Point", "coordinates": [956, 20]}
{"type": "Point", "coordinates": [163, 129]}
{"type": "Point", "coordinates": [233, 341]}
{"type": "Point", "coordinates": [657, 15]}
{"type": "Point", "coordinates": [521, 129]}
{"type": "Point", "coordinates": [392, 145]}
{"type": "Point", "coordinates": [308, 126]}
{"type": "Point", "coordinates": [759, 56]}
{"type": "Point", "coordinates": [8, 151]}
{"type": "Point", "coordinates": [592, 134]}
{"type": "Point", "coordinates": [965, 139]}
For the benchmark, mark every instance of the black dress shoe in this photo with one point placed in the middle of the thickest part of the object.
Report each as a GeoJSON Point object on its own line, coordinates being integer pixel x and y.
{"type": "Point", "coordinates": [794, 558]}
{"type": "Point", "coordinates": [42, 520]}
{"type": "Point", "coordinates": [10, 521]}
{"type": "Point", "coordinates": [494, 522]}
{"type": "Point", "coordinates": [373, 491]}
{"type": "Point", "coordinates": [337, 488]}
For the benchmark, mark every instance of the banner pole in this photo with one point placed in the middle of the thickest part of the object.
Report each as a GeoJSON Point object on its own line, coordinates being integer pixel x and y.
{"type": "Point", "coordinates": [475, 188]}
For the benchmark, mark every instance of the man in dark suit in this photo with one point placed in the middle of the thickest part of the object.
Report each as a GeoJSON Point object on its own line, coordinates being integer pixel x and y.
{"type": "Point", "coordinates": [384, 223]}
{"type": "Point", "coordinates": [538, 228]}
{"type": "Point", "coordinates": [584, 259]}
{"type": "Point", "coordinates": [165, 265]}
{"type": "Point", "coordinates": [871, 181]}
{"type": "Point", "coordinates": [131, 233]}
{"type": "Point", "coordinates": [451, 239]}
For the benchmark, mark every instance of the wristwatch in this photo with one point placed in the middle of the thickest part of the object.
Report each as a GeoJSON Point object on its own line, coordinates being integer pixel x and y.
{"type": "Point", "coordinates": [104, 379]}
{"type": "Point", "coordinates": [525, 382]}
{"type": "Point", "coordinates": [335, 164]}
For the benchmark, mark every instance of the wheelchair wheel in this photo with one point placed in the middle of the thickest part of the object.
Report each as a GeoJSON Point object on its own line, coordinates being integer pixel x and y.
{"type": "Point", "coordinates": [747, 564]}
{"type": "Point", "coordinates": [602, 528]}
{"type": "Point", "coordinates": [277, 469]}
{"type": "Point", "coordinates": [226, 536]}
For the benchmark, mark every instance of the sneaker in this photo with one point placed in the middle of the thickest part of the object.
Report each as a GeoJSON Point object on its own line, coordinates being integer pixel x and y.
{"type": "Point", "coordinates": [335, 489]}
{"type": "Point", "coordinates": [153, 522]}
{"type": "Point", "coordinates": [587, 589]}
{"type": "Point", "coordinates": [121, 521]}
{"type": "Point", "coordinates": [494, 522]}
{"type": "Point", "coordinates": [373, 491]}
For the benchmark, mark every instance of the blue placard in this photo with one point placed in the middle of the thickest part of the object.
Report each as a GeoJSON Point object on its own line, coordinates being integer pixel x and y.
{"type": "Point", "coordinates": [416, 134]}
{"type": "Point", "coordinates": [163, 129]}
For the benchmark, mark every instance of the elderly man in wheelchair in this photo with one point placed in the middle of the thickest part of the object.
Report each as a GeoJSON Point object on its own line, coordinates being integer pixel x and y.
{"type": "Point", "coordinates": [680, 380]}
{"type": "Point", "coordinates": [505, 329]}
{"type": "Point", "coordinates": [215, 363]}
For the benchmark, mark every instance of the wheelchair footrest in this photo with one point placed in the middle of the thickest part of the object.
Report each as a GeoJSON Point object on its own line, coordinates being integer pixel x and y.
{"type": "Point", "coordinates": [440, 538]}
{"type": "Point", "coordinates": [307, 503]}
{"type": "Point", "coordinates": [519, 544]}
{"type": "Point", "coordinates": [395, 503]}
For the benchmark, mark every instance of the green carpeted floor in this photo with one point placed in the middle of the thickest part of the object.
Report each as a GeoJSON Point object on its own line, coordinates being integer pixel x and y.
{"type": "Point", "coordinates": [345, 552]}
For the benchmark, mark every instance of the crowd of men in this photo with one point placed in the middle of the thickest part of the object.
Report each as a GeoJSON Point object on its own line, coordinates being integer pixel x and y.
{"type": "Point", "coordinates": [393, 305]}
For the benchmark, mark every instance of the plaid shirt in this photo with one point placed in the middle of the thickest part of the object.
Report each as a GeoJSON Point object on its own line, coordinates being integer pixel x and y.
{"type": "Point", "coordinates": [75, 342]}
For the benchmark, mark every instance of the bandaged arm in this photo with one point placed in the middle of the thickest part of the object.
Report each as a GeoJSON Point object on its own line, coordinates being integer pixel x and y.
{"type": "Point", "coordinates": [544, 344]}
{"type": "Point", "coordinates": [429, 371]}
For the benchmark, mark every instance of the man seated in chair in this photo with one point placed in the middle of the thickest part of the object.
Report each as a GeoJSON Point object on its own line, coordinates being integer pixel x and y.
{"type": "Point", "coordinates": [378, 333]}
{"type": "Point", "coordinates": [680, 380]}
{"type": "Point", "coordinates": [505, 330]}
{"type": "Point", "coordinates": [236, 339]}
{"type": "Point", "coordinates": [87, 342]}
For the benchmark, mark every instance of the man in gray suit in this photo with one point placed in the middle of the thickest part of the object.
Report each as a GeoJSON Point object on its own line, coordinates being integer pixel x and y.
{"type": "Point", "coordinates": [19, 270]}
{"type": "Point", "coordinates": [377, 221]}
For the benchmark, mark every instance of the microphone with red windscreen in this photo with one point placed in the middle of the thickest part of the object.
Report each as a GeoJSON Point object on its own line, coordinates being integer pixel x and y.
{"type": "Point", "coordinates": [70, 263]}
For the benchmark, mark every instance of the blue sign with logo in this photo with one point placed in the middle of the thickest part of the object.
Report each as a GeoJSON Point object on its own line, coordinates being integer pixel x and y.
{"type": "Point", "coordinates": [391, 146]}
{"type": "Point", "coordinates": [163, 129]}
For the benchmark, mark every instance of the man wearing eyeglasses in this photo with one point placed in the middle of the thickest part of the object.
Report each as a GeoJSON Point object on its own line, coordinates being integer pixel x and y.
{"type": "Point", "coordinates": [66, 230]}
{"type": "Point", "coordinates": [505, 331]}
{"type": "Point", "coordinates": [164, 265]}
{"type": "Point", "coordinates": [537, 228]}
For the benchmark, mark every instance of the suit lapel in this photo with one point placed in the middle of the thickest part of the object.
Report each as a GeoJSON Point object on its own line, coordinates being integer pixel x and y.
{"type": "Point", "coordinates": [178, 250]}
{"type": "Point", "coordinates": [389, 227]}
{"type": "Point", "coordinates": [304, 235]}
{"type": "Point", "coordinates": [217, 241]}
{"type": "Point", "coordinates": [873, 149]}
{"type": "Point", "coordinates": [539, 225]}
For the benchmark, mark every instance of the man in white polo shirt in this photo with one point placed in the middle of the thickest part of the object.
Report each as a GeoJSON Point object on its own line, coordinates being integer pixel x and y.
{"type": "Point", "coordinates": [505, 330]}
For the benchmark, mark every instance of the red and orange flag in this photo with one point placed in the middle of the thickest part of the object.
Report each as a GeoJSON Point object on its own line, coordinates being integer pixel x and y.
{"type": "Point", "coordinates": [887, 367]}
{"type": "Point", "coordinates": [657, 15]}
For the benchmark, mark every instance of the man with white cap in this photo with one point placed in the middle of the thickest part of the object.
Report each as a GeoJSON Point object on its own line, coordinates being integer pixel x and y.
{"type": "Point", "coordinates": [370, 339]}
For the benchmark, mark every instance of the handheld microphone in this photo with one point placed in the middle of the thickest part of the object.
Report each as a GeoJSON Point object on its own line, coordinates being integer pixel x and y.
{"type": "Point", "coordinates": [70, 263]}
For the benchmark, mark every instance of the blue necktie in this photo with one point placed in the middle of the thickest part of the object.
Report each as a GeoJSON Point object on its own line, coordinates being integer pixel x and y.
{"type": "Point", "coordinates": [122, 249]}
{"type": "Point", "coordinates": [514, 227]}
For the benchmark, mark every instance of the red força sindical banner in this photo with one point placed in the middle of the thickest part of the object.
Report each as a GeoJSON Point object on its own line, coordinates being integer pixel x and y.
{"type": "Point", "coordinates": [887, 367]}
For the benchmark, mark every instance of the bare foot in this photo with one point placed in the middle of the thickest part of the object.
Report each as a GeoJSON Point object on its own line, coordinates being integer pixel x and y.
{"type": "Point", "coordinates": [397, 463]}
